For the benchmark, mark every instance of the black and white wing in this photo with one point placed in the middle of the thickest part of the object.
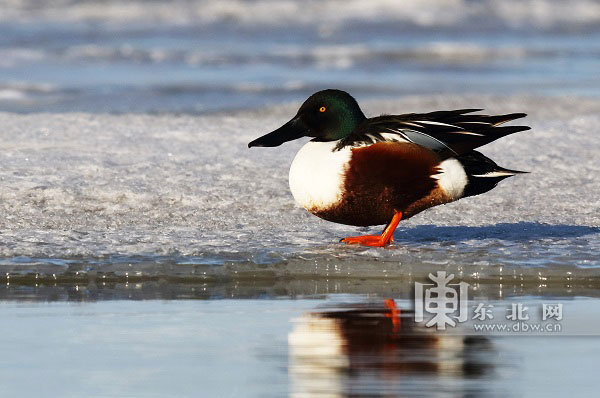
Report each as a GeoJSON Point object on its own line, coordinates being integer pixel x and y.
{"type": "Point", "coordinates": [448, 133]}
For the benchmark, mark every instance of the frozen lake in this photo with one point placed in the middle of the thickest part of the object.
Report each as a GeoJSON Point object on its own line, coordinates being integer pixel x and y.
{"type": "Point", "coordinates": [146, 251]}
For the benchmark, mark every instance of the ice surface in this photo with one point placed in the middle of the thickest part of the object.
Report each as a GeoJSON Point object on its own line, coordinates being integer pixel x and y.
{"type": "Point", "coordinates": [97, 189]}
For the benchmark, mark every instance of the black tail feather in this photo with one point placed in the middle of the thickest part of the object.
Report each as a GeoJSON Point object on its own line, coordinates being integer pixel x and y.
{"type": "Point", "coordinates": [483, 173]}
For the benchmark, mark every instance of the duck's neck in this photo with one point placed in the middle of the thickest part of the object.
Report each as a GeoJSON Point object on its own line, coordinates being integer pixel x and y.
{"type": "Point", "coordinates": [349, 120]}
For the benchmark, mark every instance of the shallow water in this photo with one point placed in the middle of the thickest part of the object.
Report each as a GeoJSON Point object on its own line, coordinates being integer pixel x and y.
{"type": "Point", "coordinates": [269, 348]}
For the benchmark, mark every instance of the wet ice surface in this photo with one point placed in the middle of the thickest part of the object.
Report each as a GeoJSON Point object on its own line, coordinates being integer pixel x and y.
{"type": "Point", "coordinates": [141, 193]}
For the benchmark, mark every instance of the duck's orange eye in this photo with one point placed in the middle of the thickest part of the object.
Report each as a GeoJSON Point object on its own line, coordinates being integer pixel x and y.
{"type": "Point", "coordinates": [322, 109]}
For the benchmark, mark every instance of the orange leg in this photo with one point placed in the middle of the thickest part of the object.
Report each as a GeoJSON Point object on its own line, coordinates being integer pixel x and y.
{"type": "Point", "coordinates": [386, 236]}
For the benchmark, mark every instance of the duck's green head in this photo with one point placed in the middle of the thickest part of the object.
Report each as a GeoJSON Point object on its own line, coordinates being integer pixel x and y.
{"type": "Point", "coordinates": [327, 115]}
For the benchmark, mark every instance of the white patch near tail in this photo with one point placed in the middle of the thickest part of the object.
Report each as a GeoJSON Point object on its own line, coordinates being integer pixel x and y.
{"type": "Point", "coordinates": [452, 179]}
{"type": "Point", "coordinates": [317, 174]}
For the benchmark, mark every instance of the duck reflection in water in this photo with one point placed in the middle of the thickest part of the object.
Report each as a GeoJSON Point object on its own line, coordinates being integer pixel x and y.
{"type": "Point", "coordinates": [377, 350]}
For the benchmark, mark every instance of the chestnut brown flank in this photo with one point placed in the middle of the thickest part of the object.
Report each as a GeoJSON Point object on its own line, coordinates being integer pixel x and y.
{"type": "Point", "coordinates": [384, 178]}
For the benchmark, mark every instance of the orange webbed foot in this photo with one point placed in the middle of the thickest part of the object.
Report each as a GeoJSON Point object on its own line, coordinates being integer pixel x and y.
{"type": "Point", "coordinates": [376, 240]}
{"type": "Point", "coordinates": [365, 240]}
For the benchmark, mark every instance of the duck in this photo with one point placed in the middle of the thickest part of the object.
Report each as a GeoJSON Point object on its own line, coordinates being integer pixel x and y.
{"type": "Point", "coordinates": [364, 172]}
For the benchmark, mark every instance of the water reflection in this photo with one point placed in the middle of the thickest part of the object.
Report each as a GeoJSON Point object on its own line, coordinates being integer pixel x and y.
{"type": "Point", "coordinates": [376, 350]}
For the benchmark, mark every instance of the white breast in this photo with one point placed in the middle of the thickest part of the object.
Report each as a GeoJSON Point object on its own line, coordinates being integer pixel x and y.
{"type": "Point", "coordinates": [317, 175]}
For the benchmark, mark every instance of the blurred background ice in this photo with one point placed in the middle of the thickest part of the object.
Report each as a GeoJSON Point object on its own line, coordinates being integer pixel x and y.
{"type": "Point", "coordinates": [202, 56]}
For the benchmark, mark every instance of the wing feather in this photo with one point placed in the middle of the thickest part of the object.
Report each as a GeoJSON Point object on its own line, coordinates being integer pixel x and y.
{"type": "Point", "coordinates": [448, 133]}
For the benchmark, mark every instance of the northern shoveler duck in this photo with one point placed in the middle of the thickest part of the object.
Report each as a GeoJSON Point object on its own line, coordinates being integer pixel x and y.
{"type": "Point", "coordinates": [362, 172]}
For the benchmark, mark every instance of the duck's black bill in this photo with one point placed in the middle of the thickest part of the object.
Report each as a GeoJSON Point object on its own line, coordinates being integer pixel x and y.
{"type": "Point", "coordinates": [292, 130]}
